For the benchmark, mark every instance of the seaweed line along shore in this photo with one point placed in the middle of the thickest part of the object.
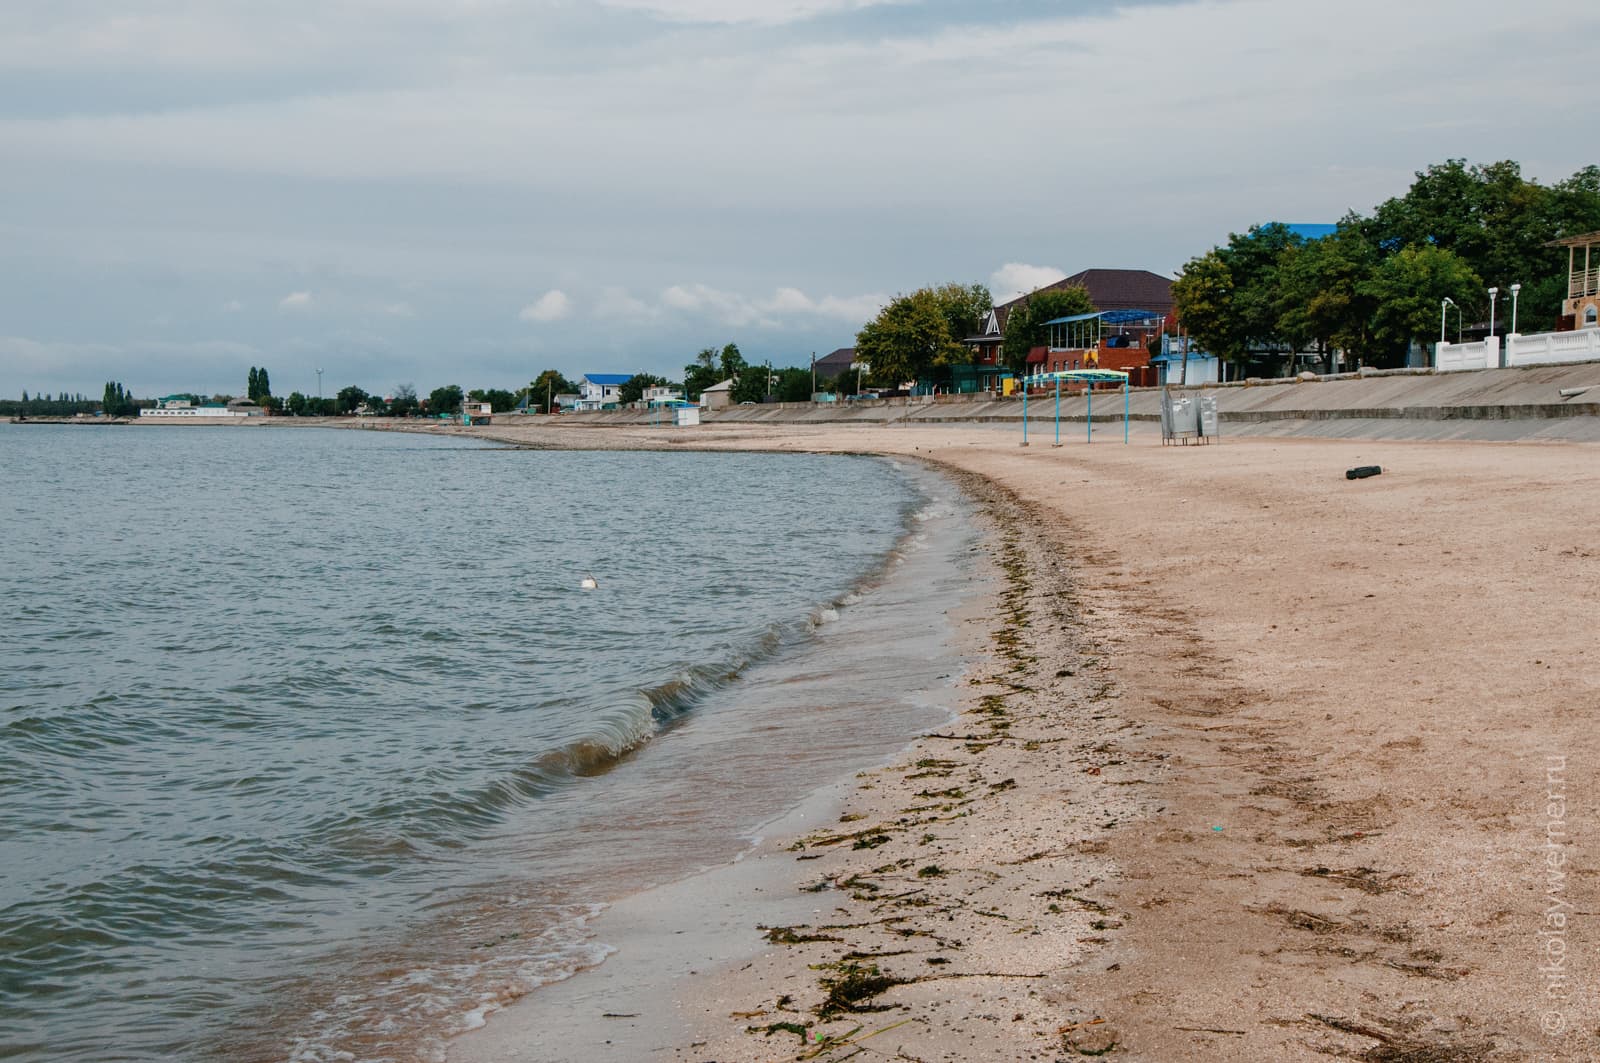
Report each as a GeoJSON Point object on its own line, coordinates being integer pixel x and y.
{"type": "Point", "coordinates": [1258, 769]}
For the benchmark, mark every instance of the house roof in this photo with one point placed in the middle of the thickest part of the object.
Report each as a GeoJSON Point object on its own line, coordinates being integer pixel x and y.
{"type": "Point", "coordinates": [1111, 289]}
{"type": "Point", "coordinates": [1307, 230]}
{"type": "Point", "coordinates": [608, 380]}
{"type": "Point", "coordinates": [1110, 317]}
{"type": "Point", "coordinates": [835, 362]}
{"type": "Point", "coordinates": [1580, 240]}
{"type": "Point", "coordinates": [726, 385]}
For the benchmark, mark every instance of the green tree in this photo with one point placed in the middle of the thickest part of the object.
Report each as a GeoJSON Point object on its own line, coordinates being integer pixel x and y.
{"type": "Point", "coordinates": [404, 403]}
{"type": "Point", "coordinates": [1025, 322]}
{"type": "Point", "coordinates": [793, 384]}
{"type": "Point", "coordinates": [543, 389]}
{"type": "Point", "coordinates": [499, 399]}
{"type": "Point", "coordinates": [1498, 222]}
{"type": "Point", "coordinates": [1203, 298]}
{"type": "Point", "coordinates": [1254, 259]}
{"type": "Point", "coordinates": [731, 363]}
{"type": "Point", "coordinates": [349, 398]}
{"type": "Point", "coordinates": [116, 402]}
{"type": "Point", "coordinates": [1322, 294]}
{"type": "Point", "coordinates": [297, 404]}
{"type": "Point", "coordinates": [263, 385]}
{"type": "Point", "coordinates": [633, 390]}
{"type": "Point", "coordinates": [377, 406]}
{"type": "Point", "coordinates": [444, 400]}
{"type": "Point", "coordinates": [252, 386]}
{"type": "Point", "coordinates": [924, 329]}
{"type": "Point", "coordinates": [905, 339]}
{"type": "Point", "coordinates": [964, 307]}
{"type": "Point", "coordinates": [1407, 290]}
{"type": "Point", "coordinates": [701, 373]}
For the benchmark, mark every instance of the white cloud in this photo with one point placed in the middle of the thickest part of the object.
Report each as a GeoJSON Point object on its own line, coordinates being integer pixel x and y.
{"type": "Point", "coordinates": [786, 305]}
{"type": "Point", "coordinates": [791, 300]}
{"type": "Point", "coordinates": [619, 303]}
{"type": "Point", "coordinates": [1016, 278]}
{"type": "Point", "coordinates": [852, 308]}
{"type": "Point", "coordinates": [399, 310]}
{"type": "Point", "coordinates": [295, 301]}
{"type": "Point", "coordinates": [553, 305]}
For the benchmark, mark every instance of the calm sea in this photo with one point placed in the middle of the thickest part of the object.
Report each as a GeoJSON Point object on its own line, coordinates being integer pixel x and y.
{"type": "Point", "coordinates": [312, 747]}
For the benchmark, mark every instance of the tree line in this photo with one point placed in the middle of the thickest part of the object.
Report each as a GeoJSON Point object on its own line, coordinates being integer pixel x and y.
{"type": "Point", "coordinates": [1378, 282]}
{"type": "Point", "coordinates": [919, 336]}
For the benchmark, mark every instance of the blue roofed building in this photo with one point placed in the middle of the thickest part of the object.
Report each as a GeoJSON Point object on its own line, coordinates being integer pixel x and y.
{"type": "Point", "coordinates": [598, 391]}
{"type": "Point", "coordinates": [1309, 231]}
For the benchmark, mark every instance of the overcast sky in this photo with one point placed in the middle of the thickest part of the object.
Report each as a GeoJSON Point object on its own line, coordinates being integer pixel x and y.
{"type": "Point", "coordinates": [470, 191]}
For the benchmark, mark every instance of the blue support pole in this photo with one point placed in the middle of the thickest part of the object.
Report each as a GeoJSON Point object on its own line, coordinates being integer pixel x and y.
{"type": "Point", "coordinates": [1058, 411]}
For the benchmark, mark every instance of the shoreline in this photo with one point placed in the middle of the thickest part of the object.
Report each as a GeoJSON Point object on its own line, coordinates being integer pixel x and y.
{"type": "Point", "coordinates": [1353, 691]}
{"type": "Point", "coordinates": [868, 852]}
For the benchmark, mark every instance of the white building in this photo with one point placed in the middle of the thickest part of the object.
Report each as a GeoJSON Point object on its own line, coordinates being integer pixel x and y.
{"type": "Point", "coordinates": [658, 395]}
{"type": "Point", "coordinates": [717, 396]}
{"type": "Point", "coordinates": [596, 391]}
{"type": "Point", "coordinates": [179, 407]}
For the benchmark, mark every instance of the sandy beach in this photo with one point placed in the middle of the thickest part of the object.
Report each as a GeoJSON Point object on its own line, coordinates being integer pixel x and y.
{"type": "Point", "coordinates": [1263, 763]}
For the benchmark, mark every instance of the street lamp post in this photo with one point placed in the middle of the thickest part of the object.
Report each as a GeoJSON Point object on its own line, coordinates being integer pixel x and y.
{"type": "Point", "coordinates": [1494, 296]}
{"type": "Point", "coordinates": [319, 390]}
{"type": "Point", "coordinates": [1515, 288]}
{"type": "Point", "coordinates": [1448, 302]}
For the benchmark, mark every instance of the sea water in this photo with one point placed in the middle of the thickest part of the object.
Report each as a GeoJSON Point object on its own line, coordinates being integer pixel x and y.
{"type": "Point", "coordinates": [313, 747]}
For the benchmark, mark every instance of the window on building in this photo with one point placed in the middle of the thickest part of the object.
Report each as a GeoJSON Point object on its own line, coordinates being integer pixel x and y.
{"type": "Point", "coordinates": [1589, 317]}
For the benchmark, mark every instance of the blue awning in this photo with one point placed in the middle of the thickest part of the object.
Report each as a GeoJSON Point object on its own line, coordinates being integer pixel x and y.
{"type": "Point", "coordinates": [1110, 317]}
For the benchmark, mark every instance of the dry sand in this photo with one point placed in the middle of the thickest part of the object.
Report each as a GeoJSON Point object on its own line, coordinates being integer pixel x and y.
{"type": "Point", "coordinates": [1267, 764]}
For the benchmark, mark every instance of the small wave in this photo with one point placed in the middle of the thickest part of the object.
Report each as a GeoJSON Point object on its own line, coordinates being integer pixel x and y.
{"type": "Point", "coordinates": [380, 1019]}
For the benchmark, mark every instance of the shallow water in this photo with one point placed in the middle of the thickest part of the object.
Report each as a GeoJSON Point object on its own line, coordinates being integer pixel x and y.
{"type": "Point", "coordinates": [311, 747]}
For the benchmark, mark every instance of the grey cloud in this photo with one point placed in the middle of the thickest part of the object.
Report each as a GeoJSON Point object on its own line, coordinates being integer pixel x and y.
{"type": "Point", "coordinates": [459, 159]}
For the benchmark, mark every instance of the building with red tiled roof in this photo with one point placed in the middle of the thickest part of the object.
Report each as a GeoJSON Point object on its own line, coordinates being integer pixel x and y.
{"type": "Point", "coordinates": [1109, 289]}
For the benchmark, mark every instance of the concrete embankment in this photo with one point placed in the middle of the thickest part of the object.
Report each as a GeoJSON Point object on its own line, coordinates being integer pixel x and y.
{"type": "Point", "coordinates": [1490, 404]}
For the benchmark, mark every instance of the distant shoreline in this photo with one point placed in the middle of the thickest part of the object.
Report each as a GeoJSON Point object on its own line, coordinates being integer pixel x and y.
{"type": "Point", "coordinates": [1546, 402]}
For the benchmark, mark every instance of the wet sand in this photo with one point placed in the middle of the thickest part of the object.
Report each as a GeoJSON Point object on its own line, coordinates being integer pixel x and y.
{"type": "Point", "coordinates": [1266, 764]}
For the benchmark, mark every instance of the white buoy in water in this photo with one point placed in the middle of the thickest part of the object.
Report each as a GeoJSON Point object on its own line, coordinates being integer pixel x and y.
{"type": "Point", "coordinates": [587, 583]}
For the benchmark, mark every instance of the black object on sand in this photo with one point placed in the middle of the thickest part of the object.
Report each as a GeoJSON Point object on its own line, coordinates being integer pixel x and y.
{"type": "Point", "coordinates": [1361, 472]}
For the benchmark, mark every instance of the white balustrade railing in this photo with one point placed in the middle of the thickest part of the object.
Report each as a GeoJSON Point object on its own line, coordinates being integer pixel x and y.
{"type": "Point", "coordinates": [1474, 354]}
{"type": "Point", "coordinates": [1554, 348]}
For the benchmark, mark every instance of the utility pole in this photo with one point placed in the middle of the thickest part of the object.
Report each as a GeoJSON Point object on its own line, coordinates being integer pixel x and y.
{"type": "Point", "coordinates": [319, 391]}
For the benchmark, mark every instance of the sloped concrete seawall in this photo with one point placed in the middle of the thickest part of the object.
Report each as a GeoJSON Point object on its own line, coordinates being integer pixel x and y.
{"type": "Point", "coordinates": [1489, 404]}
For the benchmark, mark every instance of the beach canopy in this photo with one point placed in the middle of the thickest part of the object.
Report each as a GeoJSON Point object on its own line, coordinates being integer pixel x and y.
{"type": "Point", "coordinates": [1087, 376]}
{"type": "Point", "coordinates": [1109, 317]}
{"type": "Point", "coordinates": [1097, 376]}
